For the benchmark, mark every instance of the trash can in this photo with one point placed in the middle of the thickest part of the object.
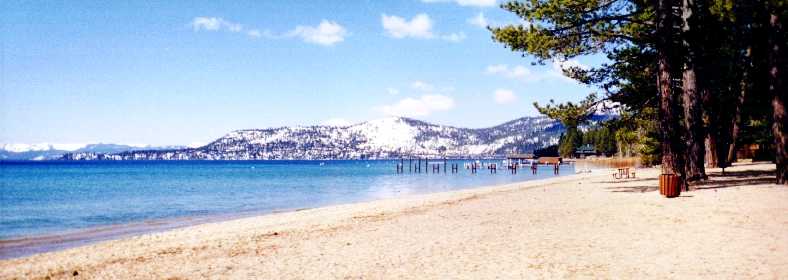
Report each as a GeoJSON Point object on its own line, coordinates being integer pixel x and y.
{"type": "Point", "coordinates": [669, 185]}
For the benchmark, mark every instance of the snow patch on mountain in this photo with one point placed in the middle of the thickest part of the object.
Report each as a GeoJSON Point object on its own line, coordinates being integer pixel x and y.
{"type": "Point", "coordinates": [387, 138]}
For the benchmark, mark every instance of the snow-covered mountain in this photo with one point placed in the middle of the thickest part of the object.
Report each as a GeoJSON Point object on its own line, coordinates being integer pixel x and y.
{"type": "Point", "coordinates": [30, 151]}
{"type": "Point", "coordinates": [378, 139]}
{"type": "Point", "coordinates": [45, 151]}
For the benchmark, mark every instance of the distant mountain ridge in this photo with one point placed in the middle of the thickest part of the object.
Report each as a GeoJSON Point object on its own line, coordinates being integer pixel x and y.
{"type": "Point", "coordinates": [45, 151]}
{"type": "Point", "coordinates": [387, 138]}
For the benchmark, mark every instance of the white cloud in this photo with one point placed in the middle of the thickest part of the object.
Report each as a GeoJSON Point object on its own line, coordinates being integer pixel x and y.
{"type": "Point", "coordinates": [419, 107]}
{"type": "Point", "coordinates": [206, 23]}
{"type": "Point", "coordinates": [327, 33]}
{"type": "Point", "coordinates": [419, 26]}
{"type": "Point", "coordinates": [214, 24]}
{"type": "Point", "coordinates": [392, 91]}
{"type": "Point", "coordinates": [559, 66]}
{"type": "Point", "coordinates": [474, 3]}
{"type": "Point", "coordinates": [220, 24]}
{"type": "Point", "coordinates": [336, 122]}
{"type": "Point", "coordinates": [516, 72]}
{"type": "Point", "coordinates": [422, 86]}
{"type": "Point", "coordinates": [504, 96]}
{"type": "Point", "coordinates": [556, 71]}
{"type": "Point", "coordinates": [519, 72]}
{"type": "Point", "coordinates": [479, 20]}
{"type": "Point", "coordinates": [454, 37]}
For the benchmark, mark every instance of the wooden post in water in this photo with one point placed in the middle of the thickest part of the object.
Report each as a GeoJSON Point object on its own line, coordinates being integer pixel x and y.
{"type": "Point", "coordinates": [444, 165]}
{"type": "Point", "coordinates": [410, 164]}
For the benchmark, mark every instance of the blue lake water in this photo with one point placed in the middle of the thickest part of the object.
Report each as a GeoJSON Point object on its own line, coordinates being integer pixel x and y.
{"type": "Point", "coordinates": [50, 197]}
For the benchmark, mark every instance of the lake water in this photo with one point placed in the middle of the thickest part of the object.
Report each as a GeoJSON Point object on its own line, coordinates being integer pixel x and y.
{"type": "Point", "coordinates": [45, 198]}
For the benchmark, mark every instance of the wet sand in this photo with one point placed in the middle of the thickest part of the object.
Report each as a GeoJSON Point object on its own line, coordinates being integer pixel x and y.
{"type": "Point", "coordinates": [578, 226]}
{"type": "Point", "coordinates": [29, 245]}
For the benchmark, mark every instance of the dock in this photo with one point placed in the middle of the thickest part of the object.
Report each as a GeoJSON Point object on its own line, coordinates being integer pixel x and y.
{"type": "Point", "coordinates": [513, 162]}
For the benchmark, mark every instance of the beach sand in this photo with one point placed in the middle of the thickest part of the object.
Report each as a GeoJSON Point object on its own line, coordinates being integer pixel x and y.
{"type": "Point", "coordinates": [577, 226]}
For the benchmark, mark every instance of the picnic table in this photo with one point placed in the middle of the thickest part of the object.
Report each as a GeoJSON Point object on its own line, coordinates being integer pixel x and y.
{"type": "Point", "coordinates": [624, 172]}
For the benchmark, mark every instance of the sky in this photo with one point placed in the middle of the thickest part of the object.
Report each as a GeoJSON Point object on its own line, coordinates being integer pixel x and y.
{"type": "Point", "coordinates": [188, 72]}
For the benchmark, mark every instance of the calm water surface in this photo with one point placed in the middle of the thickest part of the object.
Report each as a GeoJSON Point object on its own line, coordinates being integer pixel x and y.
{"type": "Point", "coordinates": [50, 197]}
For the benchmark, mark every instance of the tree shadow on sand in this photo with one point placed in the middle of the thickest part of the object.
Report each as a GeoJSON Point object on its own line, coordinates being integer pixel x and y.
{"type": "Point", "coordinates": [736, 179]}
{"type": "Point", "coordinates": [716, 180]}
{"type": "Point", "coordinates": [630, 180]}
{"type": "Point", "coordinates": [634, 189]}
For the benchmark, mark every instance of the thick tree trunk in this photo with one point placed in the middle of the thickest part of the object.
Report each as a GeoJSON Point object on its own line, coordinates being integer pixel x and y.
{"type": "Point", "coordinates": [691, 87]}
{"type": "Point", "coordinates": [777, 72]}
{"type": "Point", "coordinates": [672, 162]}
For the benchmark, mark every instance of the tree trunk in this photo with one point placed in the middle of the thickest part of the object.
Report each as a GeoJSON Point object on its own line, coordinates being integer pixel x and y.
{"type": "Point", "coordinates": [743, 87]}
{"type": "Point", "coordinates": [744, 30]}
{"type": "Point", "coordinates": [710, 115]}
{"type": "Point", "coordinates": [711, 147]}
{"type": "Point", "coordinates": [669, 126]}
{"type": "Point", "coordinates": [691, 87]}
{"type": "Point", "coordinates": [777, 72]}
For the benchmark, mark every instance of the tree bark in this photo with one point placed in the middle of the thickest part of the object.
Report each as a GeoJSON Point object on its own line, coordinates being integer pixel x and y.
{"type": "Point", "coordinates": [712, 126]}
{"type": "Point", "coordinates": [777, 72]}
{"type": "Point", "coordinates": [671, 159]}
{"type": "Point", "coordinates": [711, 147]}
{"type": "Point", "coordinates": [691, 87]}
{"type": "Point", "coordinates": [744, 87]}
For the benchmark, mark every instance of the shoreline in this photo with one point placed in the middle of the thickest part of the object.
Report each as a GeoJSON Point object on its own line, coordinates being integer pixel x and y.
{"type": "Point", "coordinates": [24, 246]}
{"type": "Point", "coordinates": [580, 225]}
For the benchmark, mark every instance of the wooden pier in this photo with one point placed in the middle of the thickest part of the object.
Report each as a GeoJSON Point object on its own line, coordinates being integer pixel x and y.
{"type": "Point", "coordinates": [512, 163]}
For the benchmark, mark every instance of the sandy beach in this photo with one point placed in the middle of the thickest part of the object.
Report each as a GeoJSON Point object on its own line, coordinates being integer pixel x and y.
{"type": "Point", "coordinates": [578, 226]}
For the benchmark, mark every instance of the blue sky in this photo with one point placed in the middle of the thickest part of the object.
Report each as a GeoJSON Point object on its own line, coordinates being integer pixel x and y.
{"type": "Point", "coordinates": [169, 72]}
